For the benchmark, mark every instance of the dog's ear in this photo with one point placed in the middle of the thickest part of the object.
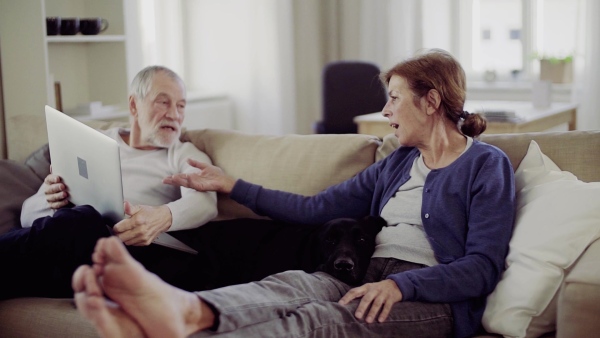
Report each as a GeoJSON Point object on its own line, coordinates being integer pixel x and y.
{"type": "Point", "coordinates": [375, 222]}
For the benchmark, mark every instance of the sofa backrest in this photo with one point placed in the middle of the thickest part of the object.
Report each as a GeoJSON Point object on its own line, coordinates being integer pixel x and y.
{"type": "Point", "coordinates": [307, 164]}
{"type": "Point", "coordinates": [304, 164]}
{"type": "Point", "coordinates": [30, 134]}
{"type": "Point", "coordinates": [575, 151]}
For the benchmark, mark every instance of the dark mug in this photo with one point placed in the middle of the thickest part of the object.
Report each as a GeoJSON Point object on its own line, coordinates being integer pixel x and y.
{"type": "Point", "coordinates": [52, 25]}
{"type": "Point", "coordinates": [69, 26]}
{"type": "Point", "coordinates": [92, 26]}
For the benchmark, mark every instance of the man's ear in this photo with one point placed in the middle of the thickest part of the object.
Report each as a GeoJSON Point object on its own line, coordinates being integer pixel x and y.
{"type": "Point", "coordinates": [434, 100]}
{"type": "Point", "coordinates": [133, 110]}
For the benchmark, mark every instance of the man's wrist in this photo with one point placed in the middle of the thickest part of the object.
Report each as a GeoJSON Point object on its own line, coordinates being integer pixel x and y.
{"type": "Point", "coordinates": [168, 218]}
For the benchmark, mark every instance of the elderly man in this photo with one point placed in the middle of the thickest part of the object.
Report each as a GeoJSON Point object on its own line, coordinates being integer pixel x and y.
{"type": "Point", "coordinates": [56, 237]}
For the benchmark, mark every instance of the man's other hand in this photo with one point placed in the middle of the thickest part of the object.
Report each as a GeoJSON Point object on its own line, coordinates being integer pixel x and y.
{"type": "Point", "coordinates": [144, 224]}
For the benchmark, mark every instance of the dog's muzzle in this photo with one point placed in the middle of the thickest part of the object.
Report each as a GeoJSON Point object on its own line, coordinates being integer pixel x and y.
{"type": "Point", "coordinates": [344, 264]}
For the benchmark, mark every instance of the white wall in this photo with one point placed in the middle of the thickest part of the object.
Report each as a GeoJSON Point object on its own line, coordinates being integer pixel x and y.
{"type": "Point", "coordinates": [2, 130]}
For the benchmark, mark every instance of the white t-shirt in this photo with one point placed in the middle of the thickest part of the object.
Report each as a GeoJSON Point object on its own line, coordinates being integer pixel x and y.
{"type": "Point", "coordinates": [142, 174]}
{"type": "Point", "coordinates": [405, 237]}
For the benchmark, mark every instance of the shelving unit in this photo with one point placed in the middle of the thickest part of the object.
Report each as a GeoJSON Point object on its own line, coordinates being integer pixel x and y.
{"type": "Point", "coordinates": [89, 68]}
{"type": "Point", "coordinates": [85, 38]}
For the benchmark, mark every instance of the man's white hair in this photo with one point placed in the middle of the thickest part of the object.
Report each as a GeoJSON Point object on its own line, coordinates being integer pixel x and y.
{"type": "Point", "coordinates": [140, 86]}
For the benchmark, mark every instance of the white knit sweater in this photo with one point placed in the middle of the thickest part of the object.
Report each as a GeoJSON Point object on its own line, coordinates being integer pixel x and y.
{"type": "Point", "coordinates": [142, 174]}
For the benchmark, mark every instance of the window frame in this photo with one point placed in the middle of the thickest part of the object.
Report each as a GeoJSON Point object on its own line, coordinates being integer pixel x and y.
{"type": "Point", "coordinates": [462, 13]}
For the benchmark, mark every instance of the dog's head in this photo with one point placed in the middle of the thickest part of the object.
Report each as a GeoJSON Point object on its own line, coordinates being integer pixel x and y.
{"type": "Point", "coordinates": [346, 246]}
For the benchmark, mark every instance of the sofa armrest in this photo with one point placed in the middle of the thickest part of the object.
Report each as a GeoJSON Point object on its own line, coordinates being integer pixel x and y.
{"type": "Point", "coordinates": [43, 317]}
{"type": "Point", "coordinates": [579, 297]}
{"type": "Point", "coordinates": [17, 183]}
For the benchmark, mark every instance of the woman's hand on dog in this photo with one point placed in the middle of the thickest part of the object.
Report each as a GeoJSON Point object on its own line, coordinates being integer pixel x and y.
{"type": "Point", "coordinates": [209, 178]}
{"type": "Point", "coordinates": [379, 296]}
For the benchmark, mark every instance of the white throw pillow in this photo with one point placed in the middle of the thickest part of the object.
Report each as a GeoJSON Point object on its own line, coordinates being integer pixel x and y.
{"type": "Point", "coordinates": [558, 216]}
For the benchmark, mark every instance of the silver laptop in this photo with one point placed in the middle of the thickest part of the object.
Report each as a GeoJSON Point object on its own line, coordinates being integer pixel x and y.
{"type": "Point", "coordinates": [89, 164]}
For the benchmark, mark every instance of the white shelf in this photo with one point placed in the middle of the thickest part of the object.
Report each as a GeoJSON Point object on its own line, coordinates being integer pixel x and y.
{"type": "Point", "coordinates": [84, 38]}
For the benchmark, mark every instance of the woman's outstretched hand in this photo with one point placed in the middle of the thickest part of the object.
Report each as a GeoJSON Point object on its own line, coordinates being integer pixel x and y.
{"type": "Point", "coordinates": [209, 178]}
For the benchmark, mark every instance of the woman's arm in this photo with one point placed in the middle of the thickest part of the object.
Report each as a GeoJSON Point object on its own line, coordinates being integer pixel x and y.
{"type": "Point", "coordinates": [351, 198]}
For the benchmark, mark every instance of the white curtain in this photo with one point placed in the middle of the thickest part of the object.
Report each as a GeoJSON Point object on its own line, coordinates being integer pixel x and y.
{"type": "Point", "coordinates": [245, 48]}
{"type": "Point", "coordinates": [158, 37]}
{"type": "Point", "coordinates": [268, 55]}
{"type": "Point", "coordinates": [587, 86]}
{"type": "Point", "coordinates": [331, 30]}
{"type": "Point", "coordinates": [238, 47]}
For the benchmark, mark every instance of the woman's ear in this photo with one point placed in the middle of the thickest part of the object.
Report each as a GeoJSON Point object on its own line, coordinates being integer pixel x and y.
{"type": "Point", "coordinates": [433, 101]}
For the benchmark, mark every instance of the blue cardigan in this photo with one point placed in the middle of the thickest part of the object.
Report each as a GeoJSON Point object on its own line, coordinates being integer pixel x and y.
{"type": "Point", "coordinates": [468, 211]}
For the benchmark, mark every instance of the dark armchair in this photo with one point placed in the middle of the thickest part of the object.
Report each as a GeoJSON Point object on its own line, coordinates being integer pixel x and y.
{"type": "Point", "coordinates": [350, 88]}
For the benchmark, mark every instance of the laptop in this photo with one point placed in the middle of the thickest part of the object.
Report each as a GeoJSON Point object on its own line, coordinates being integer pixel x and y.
{"type": "Point", "coordinates": [89, 164]}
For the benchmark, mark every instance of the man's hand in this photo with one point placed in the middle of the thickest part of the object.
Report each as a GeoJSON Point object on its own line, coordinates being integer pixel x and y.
{"type": "Point", "coordinates": [144, 224]}
{"type": "Point", "coordinates": [56, 191]}
{"type": "Point", "coordinates": [209, 178]}
{"type": "Point", "coordinates": [379, 296]}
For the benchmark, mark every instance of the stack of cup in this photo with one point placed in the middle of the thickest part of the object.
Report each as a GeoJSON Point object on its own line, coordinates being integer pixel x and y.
{"type": "Point", "coordinates": [71, 26]}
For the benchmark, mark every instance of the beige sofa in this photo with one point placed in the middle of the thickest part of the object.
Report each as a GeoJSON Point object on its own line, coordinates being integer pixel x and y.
{"type": "Point", "coordinates": [308, 164]}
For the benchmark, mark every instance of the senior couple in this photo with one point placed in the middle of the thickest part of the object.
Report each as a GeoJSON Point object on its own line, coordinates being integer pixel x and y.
{"type": "Point", "coordinates": [445, 197]}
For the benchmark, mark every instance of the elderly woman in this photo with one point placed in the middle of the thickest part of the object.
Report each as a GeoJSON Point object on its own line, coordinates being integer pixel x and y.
{"type": "Point", "coordinates": [449, 203]}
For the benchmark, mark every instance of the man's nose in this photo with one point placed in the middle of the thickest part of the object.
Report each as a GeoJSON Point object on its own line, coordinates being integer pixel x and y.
{"type": "Point", "coordinates": [172, 112]}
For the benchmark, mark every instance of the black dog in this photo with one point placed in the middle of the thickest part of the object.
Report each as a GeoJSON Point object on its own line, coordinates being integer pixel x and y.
{"type": "Point", "coordinates": [346, 245]}
{"type": "Point", "coordinates": [244, 250]}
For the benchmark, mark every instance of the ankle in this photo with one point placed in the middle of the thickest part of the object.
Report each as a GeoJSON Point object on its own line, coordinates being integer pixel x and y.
{"type": "Point", "coordinates": [199, 315]}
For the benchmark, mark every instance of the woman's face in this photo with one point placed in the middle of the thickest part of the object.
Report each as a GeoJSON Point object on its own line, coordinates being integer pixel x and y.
{"type": "Point", "coordinates": [408, 119]}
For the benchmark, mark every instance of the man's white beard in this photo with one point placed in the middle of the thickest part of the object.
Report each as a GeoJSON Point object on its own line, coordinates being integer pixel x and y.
{"type": "Point", "coordinates": [162, 141]}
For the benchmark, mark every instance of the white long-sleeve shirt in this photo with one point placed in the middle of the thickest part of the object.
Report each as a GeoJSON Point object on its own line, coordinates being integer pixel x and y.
{"type": "Point", "coordinates": [142, 175]}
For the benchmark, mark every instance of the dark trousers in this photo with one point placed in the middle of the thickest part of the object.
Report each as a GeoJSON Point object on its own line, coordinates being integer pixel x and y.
{"type": "Point", "coordinates": [40, 261]}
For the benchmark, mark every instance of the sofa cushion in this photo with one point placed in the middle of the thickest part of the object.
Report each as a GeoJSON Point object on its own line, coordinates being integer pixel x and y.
{"type": "Point", "coordinates": [303, 164]}
{"type": "Point", "coordinates": [557, 218]}
{"type": "Point", "coordinates": [39, 161]}
{"type": "Point", "coordinates": [578, 297]}
{"type": "Point", "coordinates": [18, 182]}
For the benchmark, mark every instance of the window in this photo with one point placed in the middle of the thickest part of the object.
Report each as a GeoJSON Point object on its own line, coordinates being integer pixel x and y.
{"type": "Point", "coordinates": [502, 36]}
{"type": "Point", "coordinates": [499, 53]}
{"type": "Point", "coordinates": [556, 30]}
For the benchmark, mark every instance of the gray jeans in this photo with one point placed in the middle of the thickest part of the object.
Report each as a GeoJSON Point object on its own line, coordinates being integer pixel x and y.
{"type": "Point", "coordinates": [298, 304]}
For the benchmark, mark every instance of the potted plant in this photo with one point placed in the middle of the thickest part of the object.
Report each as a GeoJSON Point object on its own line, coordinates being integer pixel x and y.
{"type": "Point", "coordinates": [556, 69]}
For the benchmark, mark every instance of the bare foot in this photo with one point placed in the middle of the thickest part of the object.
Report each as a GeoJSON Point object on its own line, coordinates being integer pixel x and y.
{"type": "Point", "coordinates": [107, 317]}
{"type": "Point", "coordinates": [159, 309]}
